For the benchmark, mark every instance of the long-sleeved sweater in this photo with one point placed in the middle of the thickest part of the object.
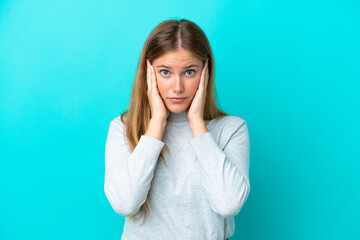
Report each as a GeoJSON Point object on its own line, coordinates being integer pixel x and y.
{"type": "Point", "coordinates": [196, 196]}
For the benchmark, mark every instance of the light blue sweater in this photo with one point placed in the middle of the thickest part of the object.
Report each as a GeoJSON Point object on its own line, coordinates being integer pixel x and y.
{"type": "Point", "coordinates": [205, 184]}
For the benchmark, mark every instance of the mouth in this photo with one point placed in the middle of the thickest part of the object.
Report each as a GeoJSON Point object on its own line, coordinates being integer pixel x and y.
{"type": "Point", "coordinates": [177, 99]}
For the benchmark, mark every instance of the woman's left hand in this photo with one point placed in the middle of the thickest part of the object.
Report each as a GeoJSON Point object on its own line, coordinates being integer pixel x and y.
{"type": "Point", "coordinates": [196, 109]}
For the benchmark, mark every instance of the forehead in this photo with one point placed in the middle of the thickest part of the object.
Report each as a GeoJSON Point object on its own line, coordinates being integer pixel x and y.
{"type": "Point", "coordinates": [177, 58]}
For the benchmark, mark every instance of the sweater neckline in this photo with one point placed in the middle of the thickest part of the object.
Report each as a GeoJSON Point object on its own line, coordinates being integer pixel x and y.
{"type": "Point", "coordinates": [178, 117]}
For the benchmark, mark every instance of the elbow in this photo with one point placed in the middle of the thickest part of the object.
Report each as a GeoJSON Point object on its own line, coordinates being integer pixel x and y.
{"type": "Point", "coordinates": [119, 205]}
{"type": "Point", "coordinates": [232, 208]}
{"type": "Point", "coordinates": [243, 197]}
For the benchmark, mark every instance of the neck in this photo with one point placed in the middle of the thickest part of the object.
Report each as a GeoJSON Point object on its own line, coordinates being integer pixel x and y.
{"type": "Point", "coordinates": [178, 117]}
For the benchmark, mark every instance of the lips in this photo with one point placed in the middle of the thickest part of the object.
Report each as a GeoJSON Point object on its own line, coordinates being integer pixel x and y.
{"type": "Point", "coordinates": [177, 100]}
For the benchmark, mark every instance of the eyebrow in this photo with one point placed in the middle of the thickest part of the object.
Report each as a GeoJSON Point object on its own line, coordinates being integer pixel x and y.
{"type": "Point", "coordinates": [193, 65]}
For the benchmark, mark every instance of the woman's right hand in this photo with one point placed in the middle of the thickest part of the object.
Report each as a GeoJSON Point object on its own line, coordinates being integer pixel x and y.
{"type": "Point", "coordinates": [158, 108]}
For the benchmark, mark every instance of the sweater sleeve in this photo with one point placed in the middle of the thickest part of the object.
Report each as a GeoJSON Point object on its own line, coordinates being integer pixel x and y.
{"type": "Point", "coordinates": [128, 174]}
{"type": "Point", "coordinates": [225, 173]}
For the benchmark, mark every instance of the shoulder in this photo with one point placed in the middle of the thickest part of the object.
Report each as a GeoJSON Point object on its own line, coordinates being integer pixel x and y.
{"type": "Point", "coordinates": [230, 122]}
{"type": "Point", "coordinates": [116, 125]}
{"type": "Point", "coordinates": [116, 121]}
{"type": "Point", "coordinates": [224, 127]}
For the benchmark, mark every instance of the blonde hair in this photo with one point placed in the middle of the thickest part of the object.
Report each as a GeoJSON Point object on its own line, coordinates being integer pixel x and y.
{"type": "Point", "coordinates": [167, 36]}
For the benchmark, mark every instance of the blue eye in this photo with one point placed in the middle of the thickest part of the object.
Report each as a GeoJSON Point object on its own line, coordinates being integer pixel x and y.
{"type": "Point", "coordinates": [165, 71]}
{"type": "Point", "coordinates": [191, 71]}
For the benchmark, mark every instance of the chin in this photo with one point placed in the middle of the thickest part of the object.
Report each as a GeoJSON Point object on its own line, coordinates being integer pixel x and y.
{"type": "Point", "coordinates": [178, 108]}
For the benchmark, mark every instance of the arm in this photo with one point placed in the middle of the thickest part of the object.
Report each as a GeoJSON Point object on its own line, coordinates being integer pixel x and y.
{"type": "Point", "coordinates": [225, 173]}
{"type": "Point", "coordinates": [128, 175]}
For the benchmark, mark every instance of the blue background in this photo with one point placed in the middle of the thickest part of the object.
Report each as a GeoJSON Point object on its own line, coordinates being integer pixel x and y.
{"type": "Point", "coordinates": [291, 69]}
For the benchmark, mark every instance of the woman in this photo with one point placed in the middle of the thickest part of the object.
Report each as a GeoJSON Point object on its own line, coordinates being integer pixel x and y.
{"type": "Point", "coordinates": [204, 179]}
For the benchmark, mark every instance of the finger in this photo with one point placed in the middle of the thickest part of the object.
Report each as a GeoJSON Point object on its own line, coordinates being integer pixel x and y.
{"type": "Point", "coordinates": [207, 72]}
{"type": "Point", "coordinates": [203, 75]}
{"type": "Point", "coordinates": [201, 84]}
{"type": "Point", "coordinates": [207, 79]}
{"type": "Point", "coordinates": [204, 68]}
{"type": "Point", "coordinates": [153, 78]}
{"type": "Point", "coordinates": [148, 78]}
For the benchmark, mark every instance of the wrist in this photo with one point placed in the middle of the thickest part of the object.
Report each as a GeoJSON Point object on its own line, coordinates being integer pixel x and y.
{"type": "Point", "coordinates": [198, 127]}
{"type": "Point", "coordinates": [196, 121]}
{"type": "Point", "coordinates": [158, 121]}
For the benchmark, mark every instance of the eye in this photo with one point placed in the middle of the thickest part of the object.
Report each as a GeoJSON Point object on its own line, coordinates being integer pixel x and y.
{"type": "Point", "coordinates": [164, 71]}
{"type": "Point", "coordinates": [191, 71]}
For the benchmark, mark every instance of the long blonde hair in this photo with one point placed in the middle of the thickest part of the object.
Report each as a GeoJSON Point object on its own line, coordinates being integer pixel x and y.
{"type": "Point", "coordinates": [167, 36]}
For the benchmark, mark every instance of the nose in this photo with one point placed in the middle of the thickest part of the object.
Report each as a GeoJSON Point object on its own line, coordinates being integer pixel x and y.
{"type": "Point", "coordinates": [178, 86]}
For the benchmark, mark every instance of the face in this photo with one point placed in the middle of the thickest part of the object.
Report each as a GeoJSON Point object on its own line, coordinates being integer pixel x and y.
{"type": "Point", "coordinates": [178, 75]}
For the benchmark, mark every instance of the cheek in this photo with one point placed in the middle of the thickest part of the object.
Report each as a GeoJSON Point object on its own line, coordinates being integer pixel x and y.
{"type": "Point", "coordinates": [193, 86]}
{"type": "Point", "coordinates": [162, 87]}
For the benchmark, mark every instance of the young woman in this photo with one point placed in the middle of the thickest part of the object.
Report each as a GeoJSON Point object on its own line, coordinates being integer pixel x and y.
{"type": "Point", "coordinates": [194, 189]}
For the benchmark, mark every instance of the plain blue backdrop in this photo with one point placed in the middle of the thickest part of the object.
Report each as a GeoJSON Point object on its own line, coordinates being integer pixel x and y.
{"type": "Point", "coordinates": [291, 69]}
